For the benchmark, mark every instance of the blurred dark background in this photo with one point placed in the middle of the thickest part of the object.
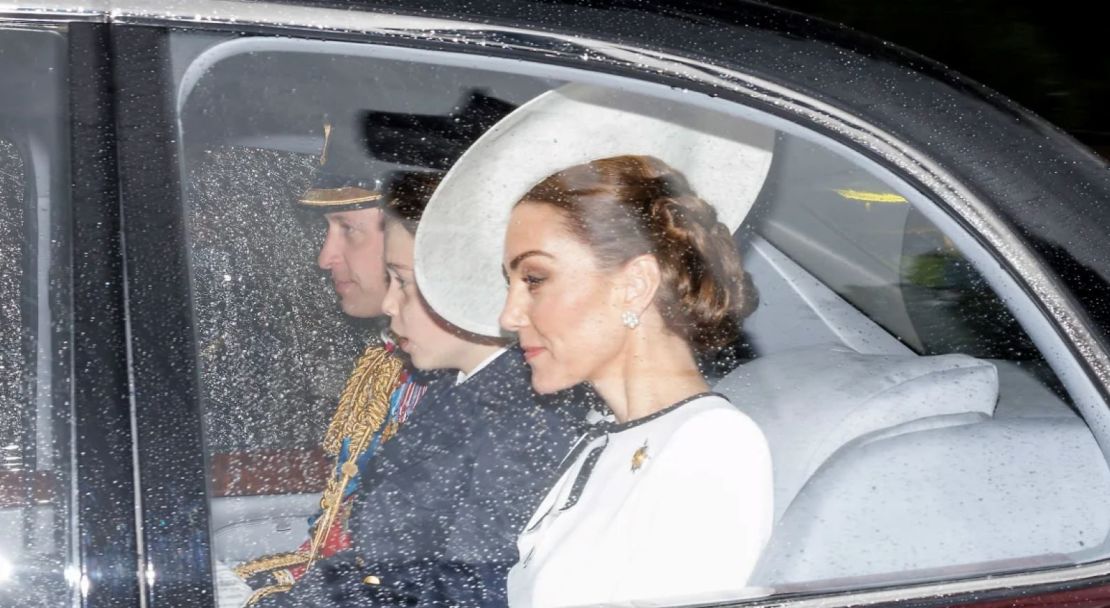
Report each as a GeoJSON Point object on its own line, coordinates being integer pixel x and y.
{"type": "Point", "coordinates": [1052, 57]}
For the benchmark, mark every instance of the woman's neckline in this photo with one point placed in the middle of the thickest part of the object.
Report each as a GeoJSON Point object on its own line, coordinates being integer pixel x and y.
{"type": "Point", "coordinates": [617, 427]}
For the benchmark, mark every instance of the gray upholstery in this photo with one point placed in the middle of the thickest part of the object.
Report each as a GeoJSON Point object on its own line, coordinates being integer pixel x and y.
{"type": "Point", "coordinates": [813, 401]}
{"type": "Point", "coordinates": [1022, 394]}
{"type": "Point", "coordinates": [796, 310]}
{"type": "Point", "coordinates": [246, 527]}
{"type": "Point", "coordinates": [1001, 494]}
{"type": "Point", "coordinates": [900, 468]}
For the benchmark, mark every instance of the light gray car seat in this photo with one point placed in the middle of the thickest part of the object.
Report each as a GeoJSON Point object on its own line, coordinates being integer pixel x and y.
{"type": "Point", "coordinates": [897, 467]}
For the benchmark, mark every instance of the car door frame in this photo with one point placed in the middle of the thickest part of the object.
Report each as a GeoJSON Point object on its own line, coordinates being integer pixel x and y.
{"type": "Point", "coordinates": [572, 36]}
{"type": "Point", "coordinates": [566, 46]}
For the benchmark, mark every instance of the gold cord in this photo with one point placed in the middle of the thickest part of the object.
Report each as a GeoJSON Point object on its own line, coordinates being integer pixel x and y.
{"type": "Point", "coordinates": [363, 407]}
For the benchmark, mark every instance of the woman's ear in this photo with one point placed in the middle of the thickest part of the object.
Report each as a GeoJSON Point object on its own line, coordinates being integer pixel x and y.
{"type": "Point", "coordinates": [641, 277]}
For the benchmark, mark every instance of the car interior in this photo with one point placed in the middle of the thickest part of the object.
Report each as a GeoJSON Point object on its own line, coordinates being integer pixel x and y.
{"type": "Point", "coordinates": [917, 432]}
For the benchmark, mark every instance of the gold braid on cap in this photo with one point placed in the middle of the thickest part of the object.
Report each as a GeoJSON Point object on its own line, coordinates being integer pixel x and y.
{"type": "Point", "coordinates": [363, 407]}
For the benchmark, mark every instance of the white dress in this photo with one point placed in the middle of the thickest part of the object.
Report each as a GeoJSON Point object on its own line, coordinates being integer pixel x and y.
{"type": "Point", "coordinates": [676, 506]}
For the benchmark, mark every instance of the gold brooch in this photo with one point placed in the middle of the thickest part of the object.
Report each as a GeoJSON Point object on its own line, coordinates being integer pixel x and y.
{"type": "Point", "coordinates": [640, 456]}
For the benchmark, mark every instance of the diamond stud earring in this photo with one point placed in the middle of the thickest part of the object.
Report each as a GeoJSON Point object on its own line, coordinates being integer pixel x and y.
{"type": "Point", "coordinates": [630, 319]}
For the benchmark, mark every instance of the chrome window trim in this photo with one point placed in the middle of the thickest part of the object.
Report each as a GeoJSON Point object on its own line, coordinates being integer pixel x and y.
{"type": "Point", "coordinates": [959, 200]}
{"type": "Point", "coordinates": [55, 10]}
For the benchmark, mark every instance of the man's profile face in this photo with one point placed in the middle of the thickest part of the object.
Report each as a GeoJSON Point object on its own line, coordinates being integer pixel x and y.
{"type": "Point", "coordinates": [352, 253]}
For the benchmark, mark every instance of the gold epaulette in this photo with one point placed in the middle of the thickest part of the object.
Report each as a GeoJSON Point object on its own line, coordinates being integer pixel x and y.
{"type": "Point", "coordinates": [376, 370]}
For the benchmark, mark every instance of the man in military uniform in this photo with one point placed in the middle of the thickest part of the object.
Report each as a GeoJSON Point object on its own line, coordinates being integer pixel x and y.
{"type": "Point", "coordinates": [381, 392]}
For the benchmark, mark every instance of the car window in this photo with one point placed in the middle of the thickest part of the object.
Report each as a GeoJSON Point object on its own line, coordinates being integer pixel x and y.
{"type": "Point", "coordinates": [887, 259]}
{"type": "Point", "coordinates": [917, 423]}
{"type": "Point", "coordinates": [275, 347]}
{"type": "Point", "coordinates": [880, 250]}
{"type": "Point", "coordinates": [36, 536]}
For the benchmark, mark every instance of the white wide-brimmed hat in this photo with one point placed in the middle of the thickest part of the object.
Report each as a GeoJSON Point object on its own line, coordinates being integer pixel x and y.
{"type": "Point", "coordinates": [460, 239]}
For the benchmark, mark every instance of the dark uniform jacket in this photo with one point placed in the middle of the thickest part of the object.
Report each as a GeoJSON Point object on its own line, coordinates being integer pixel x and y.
{"type": "Point", "coordinates": [439, 508]}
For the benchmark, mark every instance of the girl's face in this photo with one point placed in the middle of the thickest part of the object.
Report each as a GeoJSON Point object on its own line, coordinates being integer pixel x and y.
{"type": "Point", "coordinates": [565, 310]}
{"type": "Point", "coordinates": [428, 339]}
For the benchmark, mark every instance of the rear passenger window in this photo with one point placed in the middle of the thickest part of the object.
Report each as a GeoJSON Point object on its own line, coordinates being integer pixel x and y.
{"type": "Point", "coordinates": [909, 402]}
{"type": "Point", "coordinates": [867, 241]}
{"type": "Point", "coordinates": [12, 388]}
{"type": "Point", "coordinates": [37, 538]}
{"type": "Point", "coordinates": [915, 404]}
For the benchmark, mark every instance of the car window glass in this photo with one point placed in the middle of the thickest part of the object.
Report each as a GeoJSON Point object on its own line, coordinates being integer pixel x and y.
{"type": "Point", "coordinates": [275, 347]}
{"type": "Point", "coordinates": [914, 425]}
{"type": "Point", "coordinates": [37, 566]}
{"type": "Point", "coordinates": [888, 260]}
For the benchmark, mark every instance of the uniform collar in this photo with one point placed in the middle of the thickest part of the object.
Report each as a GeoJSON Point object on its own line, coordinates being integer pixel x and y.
{"type": "Point", "coordinates": [463, 377]}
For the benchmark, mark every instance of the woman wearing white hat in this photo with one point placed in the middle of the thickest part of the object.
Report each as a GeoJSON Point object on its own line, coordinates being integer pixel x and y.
{"type": "Point", "coordinates": [618, 274]}
{"type": "Point", "coordinates": [431, 525]}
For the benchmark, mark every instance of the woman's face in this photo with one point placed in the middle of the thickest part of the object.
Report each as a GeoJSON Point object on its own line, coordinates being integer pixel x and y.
{"type": "Point", "coordinates": [565, 310]}
{"type": "Point", "coordinates": [421, 333]}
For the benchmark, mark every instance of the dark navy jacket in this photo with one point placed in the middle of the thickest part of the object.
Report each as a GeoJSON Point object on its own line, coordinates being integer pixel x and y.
{"type": "Point", "coordinates": [439, 507]}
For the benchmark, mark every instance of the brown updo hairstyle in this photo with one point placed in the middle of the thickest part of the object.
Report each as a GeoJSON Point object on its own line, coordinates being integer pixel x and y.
{"type": "Point", "coordinates": [406, 195]}
{"type": "Point", "coordinates": [626, 206]}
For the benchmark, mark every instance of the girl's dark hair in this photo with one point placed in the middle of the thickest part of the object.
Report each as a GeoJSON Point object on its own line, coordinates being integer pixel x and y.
{"type": "Point", "coordinates": [407, 194]}
{"type": "Point", "coordinates": [626, 206]}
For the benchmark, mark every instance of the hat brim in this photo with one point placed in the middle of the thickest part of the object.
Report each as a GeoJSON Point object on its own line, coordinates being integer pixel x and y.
{"type": "Point", "coordinates": [460, 239]}
{"type": "Point", "coordinates": [339, 199]}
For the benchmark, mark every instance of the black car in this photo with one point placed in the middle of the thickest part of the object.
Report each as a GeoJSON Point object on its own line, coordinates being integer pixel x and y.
{"type": "Point", "coordinates": [928, 360]}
